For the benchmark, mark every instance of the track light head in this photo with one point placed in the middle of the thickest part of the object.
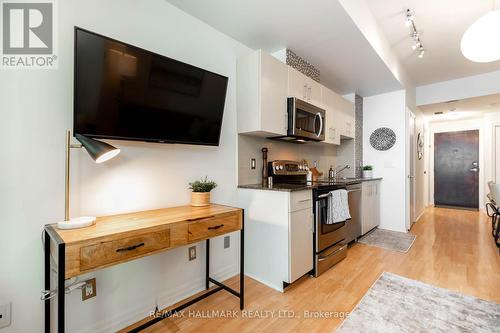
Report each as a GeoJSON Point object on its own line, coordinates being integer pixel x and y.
{"type": "Point", "coordinates": [410, 16]}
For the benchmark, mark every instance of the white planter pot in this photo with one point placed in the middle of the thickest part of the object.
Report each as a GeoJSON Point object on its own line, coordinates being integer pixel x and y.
{"type": "Point", "coordinates": [367, 173]}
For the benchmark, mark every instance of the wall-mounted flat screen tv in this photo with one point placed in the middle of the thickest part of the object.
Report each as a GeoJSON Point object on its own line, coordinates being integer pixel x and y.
{"type": "Point", "coordinates": [124, 92]}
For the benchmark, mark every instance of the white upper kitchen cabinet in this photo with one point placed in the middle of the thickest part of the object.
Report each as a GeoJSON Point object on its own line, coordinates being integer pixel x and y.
{"type": "Point", "coordinates": [332, 121]}
{"type": "Point", "coordinates": [303, 87]}
{"type": "Point", "coordinates": [346, 121]}
{"type": "Point", "coordinates": [262, 89]}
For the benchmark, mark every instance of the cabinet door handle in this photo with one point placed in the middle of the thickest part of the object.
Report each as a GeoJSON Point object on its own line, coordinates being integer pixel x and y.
{"type": "Point", "coordinates": [304, 200]}
{"type": "Point", "coordinates": [215, 227]}
{"type": "Point", "coordinates": [130, 248]}
{"type": "Point", "coordinates": [305, 91]}
{"type": "Point", "coordinates": [309, 90]}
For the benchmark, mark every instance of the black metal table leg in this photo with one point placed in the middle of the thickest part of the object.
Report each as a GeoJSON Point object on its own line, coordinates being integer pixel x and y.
{"type": "Point", "coordinates": [46, 255]}
{"type": "Point", "coordinates": [61, 247]}
{"type": "Point", "coordinates": [207, 268]}
{"type": "Point", "coordinates": [242, 263]}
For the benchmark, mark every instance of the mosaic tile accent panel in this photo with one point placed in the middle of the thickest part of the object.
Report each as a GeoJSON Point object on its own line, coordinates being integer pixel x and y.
{"type": "Point", "coordinates": [358, 144]}
{"type": "Point", "coordinates": [292, 59]}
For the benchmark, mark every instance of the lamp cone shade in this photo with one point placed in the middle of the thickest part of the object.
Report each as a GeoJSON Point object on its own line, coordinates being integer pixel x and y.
{"type": "Point", "coordinates": [98, 150]}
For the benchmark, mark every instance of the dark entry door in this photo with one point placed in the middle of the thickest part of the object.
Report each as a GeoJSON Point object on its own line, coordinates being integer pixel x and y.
{"type": "Point", "coordinates": [456, 169]}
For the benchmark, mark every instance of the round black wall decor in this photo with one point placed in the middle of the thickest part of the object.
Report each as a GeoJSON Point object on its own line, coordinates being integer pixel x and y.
{"type": "Point", "coordinates": [383, 138]}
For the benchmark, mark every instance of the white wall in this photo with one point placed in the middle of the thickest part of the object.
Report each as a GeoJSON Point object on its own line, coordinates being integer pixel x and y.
{"type": "Point", "coordinates": [467, 87]}
{"type": "Point", "coordinates": [361, 14]}
{"type": "Point", "coordinates": [462, 125]}
{"type": "Point", "coordinates": [421, 166]}
{"type": "Point", "coordinates": [491, 122]}
{"type": "Point", "coordinates": [36, 109]}
{"type": "Point", "coordinates": [388, 110]}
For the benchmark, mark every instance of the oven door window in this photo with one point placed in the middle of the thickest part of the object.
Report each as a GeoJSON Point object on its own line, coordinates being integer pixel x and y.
{"type": "Point", "coordinates": [323, 216]}
{"type": "Point", "coordinates": [327, 234]}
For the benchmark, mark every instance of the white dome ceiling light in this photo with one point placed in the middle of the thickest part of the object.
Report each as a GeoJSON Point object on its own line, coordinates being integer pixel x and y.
{"type": "Point", "coordinates": [481, 41]}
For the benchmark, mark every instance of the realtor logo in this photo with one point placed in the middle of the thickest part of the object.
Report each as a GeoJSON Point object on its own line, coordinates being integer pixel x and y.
{"type": "Point", "coordinates": [28, 34]}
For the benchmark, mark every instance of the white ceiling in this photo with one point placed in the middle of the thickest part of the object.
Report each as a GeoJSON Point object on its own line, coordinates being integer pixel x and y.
{"type": "Point", "coordinates": [442, 24]}
{"type": "Point", "coordinates": [319, 31]}
{"type": "Point", "coordinates": [463, 109]}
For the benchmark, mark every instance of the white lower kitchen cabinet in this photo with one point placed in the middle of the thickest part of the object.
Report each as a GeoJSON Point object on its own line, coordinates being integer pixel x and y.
{"type": "Point", "coordinates": [278, 235]}
{"type": "Point", "coordinates": [370, 205]}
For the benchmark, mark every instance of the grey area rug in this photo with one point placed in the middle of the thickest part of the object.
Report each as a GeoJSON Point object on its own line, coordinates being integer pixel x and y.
{"type": "Point", "coordinates": [390, 240]}
{"type": "Point", "coordinates": [398, 304]}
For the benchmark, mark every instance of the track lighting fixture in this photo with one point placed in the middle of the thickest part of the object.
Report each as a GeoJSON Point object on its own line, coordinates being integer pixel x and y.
{"type": "Point", "coordinates": [414, 34]}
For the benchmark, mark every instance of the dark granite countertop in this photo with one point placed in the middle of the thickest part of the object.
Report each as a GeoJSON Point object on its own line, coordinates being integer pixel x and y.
{"type": "Point", "coordinates": [302, 187]}
{"type": "Point", "coordinates": [279, 187]}
{"type": "Point", "coordinates": [353, 180]}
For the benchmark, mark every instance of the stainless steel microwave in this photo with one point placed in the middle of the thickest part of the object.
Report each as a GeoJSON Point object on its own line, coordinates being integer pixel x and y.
{"type": "Point", "coordinates": [305, 121]}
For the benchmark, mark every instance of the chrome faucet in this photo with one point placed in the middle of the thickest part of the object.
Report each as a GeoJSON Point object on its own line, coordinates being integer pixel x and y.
{"type": "Point", "coordinates": [336, 172]}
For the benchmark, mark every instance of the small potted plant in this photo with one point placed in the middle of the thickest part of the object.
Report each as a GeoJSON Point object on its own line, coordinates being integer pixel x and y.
{"type": "Point", "coordinates": [201, 192]}
{"type": "Point", "coordinates": [367, 171]}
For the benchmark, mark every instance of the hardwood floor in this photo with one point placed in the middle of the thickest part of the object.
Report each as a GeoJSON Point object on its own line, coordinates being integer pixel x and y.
{"type": "Point", "coordinates": [454, 250]}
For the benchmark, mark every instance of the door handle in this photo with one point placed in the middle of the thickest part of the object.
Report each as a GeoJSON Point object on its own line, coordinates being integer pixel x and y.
{"type": "Point", "coordinates": [318, 116]}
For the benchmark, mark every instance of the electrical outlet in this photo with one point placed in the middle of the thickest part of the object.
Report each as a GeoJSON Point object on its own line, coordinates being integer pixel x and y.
{"type": "Point", "coordinates": [253, 163]}
{"type": "Point", "coordinates": [192, 253]}
{"type": "Point", "coordinates": [227, 242]}
{"type": "Point", "coordinates": [89, 290]}
{"type": "Point", "coordinates": [5, 314]}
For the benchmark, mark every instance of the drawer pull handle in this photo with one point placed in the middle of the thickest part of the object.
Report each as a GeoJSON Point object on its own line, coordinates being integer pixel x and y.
{"type": "Point", "coordinates": [201, 218]}
{"type": "Point", "coordinates": [215, 227]}
{"type": "Point", "coordinates": [333, 253]}
{"type": "Point", "coordinates": [130, 248]}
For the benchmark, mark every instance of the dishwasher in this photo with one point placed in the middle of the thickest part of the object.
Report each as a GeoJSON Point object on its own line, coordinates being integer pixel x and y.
{"type": "Point", "coordinates": [353, 226]}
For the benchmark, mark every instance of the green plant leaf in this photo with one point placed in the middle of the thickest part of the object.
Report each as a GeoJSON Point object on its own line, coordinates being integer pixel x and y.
{"type": "Point", "coordinates": [202, 185]}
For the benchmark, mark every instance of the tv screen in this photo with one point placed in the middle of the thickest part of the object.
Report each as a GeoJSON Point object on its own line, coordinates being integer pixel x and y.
{"type": "Point", "coordinates": [125, 92]}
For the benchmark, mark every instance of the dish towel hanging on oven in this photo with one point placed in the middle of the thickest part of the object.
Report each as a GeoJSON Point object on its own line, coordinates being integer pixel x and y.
{"type": "Point", "coordinates": [338, 207]}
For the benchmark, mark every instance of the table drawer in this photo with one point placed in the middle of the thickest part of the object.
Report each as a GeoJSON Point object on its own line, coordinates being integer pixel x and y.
{"type": "Point", "coordinates": [213, 226]}
{"type": "Point", "coordinates": [123, 249]}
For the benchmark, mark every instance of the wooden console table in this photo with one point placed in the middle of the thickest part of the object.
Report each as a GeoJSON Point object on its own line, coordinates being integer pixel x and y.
{"type": "Point", "coordinates": [121, 238]}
